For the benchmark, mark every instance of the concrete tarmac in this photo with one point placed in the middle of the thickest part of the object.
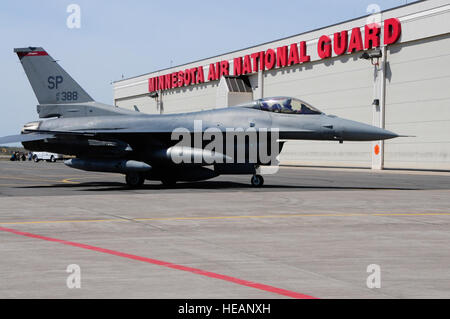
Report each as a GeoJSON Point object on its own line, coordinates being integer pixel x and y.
{"type": "Point", "coordinates": [307, 233]}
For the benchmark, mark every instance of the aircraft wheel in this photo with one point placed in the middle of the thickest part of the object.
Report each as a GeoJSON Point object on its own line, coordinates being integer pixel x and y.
{"type": "Point", "coordinates": [52, 159]}
{"type": "Point", "coordinates": [134, 180]}
{"type": "Point", "coordinates": [257, 181]}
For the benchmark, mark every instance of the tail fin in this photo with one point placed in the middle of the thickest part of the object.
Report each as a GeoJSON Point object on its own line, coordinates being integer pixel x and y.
{"type": "Point", "coordinates": [58, 94]}
{"type": "Point", "coordinates": [50, 83]}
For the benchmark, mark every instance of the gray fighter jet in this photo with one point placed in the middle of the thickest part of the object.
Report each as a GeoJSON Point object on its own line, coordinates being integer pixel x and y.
{"type": "Point", "coordinates": [169, 147]}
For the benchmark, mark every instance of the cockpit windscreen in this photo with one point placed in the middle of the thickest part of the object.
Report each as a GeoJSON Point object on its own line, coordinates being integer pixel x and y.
{"type": "Point", "coordinates": [287, 105]}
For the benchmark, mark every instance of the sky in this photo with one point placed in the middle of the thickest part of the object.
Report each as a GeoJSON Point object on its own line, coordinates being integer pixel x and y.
{"type": "Point", "coordinates": [127, 38]}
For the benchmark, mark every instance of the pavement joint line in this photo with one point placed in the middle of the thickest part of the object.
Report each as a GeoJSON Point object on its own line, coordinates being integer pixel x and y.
{"type": "Point", "coordinates": [406, 171]}
{"type": "Point", "coordinates": [221, 218]}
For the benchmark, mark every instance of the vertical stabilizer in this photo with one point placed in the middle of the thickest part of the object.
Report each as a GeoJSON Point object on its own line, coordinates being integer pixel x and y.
{"type": "Point", "coordinates": [50, 83]}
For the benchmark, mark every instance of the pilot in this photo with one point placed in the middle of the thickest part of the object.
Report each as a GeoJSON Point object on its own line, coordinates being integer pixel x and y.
{"type": "Point", "coordinates": [276, 108]}
{"type": "Point", "coordinates": [287, 107]}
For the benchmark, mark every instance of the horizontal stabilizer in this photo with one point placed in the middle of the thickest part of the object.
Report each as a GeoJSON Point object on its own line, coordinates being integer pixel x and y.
{"type": "Point", "coordinates": [23, 138]}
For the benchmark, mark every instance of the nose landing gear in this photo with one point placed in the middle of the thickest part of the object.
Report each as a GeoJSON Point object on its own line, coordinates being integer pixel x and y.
{"type": "Point", "coordinates": [134, 180]}
{"type": "Point", "coordinates": [257, 181]}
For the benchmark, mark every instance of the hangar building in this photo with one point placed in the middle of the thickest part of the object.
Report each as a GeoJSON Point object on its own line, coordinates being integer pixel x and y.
{"type": "Point", "coordinates": [402, 85]}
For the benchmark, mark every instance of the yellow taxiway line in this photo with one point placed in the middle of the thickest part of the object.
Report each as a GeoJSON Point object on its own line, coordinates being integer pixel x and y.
{"type": "Point", "coordinates": [30, 179]}
{"type": "Point", "coordinates": [37, 179]}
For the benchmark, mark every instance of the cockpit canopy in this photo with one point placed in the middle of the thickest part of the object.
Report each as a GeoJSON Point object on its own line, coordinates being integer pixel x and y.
{"type": "Point", "coordinates": [286, 105]}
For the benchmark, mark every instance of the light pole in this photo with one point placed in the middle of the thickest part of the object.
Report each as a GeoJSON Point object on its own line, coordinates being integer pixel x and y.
{"type": "Point", "coordinates": [378, 59]}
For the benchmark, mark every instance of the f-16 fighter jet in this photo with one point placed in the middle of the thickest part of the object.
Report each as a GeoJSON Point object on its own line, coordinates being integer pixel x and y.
{"type": "Point", "coordinates": [169, 147]}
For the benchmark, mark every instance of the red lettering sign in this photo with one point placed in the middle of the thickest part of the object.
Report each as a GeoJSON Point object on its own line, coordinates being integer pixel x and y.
{"type": "Point", "coordinates": [180, 78]}
{"type": "Point", "coordinates": [224, 68]}
{"type": "Point", "coordinates": [324, 47]}
{"type": "Point", "coordinates": [303, 56]}
{"type": "Point", "coordinates": [200, 75]}
{"type": "Point", "coordinates": [340, 42]}
{"type": "Point", "coordinates": [355, 41]}
{"type": "Point", "coordinates": [283, 56]}
{"type": "Point", "coordinates": [371, 36]}
{"type": "Point", "coordinates": [392, 30]}
{"type": "Point", "coordinates": [293, 55]}
{"type": "Point", "coordinates": [247, 68]}
{"type": "Point", "coordinates": [270, 59]}
{"type": "Point", "coordinates": [237, 66]}
{"type": "Point", "coordinates": [212, 72]}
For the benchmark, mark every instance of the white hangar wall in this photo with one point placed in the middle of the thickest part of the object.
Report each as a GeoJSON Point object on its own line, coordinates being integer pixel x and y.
{"type": "Point", "coordinates": [417, 91]}
{"type": "Point", "coordinates": [418, 104]}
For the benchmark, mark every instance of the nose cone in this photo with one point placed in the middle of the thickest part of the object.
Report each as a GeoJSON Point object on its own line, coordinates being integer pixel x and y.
{"type": "Point", "coordinates": [357, 131]}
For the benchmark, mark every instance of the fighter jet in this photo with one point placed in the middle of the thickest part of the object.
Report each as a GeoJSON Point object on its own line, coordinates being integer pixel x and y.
{"type": "Point", "coordinates": [169, 147]}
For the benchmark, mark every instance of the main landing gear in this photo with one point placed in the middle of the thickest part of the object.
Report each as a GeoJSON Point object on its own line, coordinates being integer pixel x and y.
{"type": "Point", "coordinates": [257, 181]}
{"type": "Point", "coordinates": [134, 180]}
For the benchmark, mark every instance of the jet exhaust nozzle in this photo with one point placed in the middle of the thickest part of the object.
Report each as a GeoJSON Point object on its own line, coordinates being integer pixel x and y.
{"type": "Point", "coordinates": [108, 166]}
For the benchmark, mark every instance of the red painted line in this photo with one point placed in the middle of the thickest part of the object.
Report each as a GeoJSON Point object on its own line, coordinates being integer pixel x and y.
{"type": "Point", "coordinates": [238, 281]}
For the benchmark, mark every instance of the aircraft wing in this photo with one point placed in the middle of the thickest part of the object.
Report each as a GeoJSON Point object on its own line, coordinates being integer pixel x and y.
{"type": "Point", "coordinates": [125, 137]}
{"type": "Point", "coordinates": [136, 130]}
{"type": "Point", "coordinates": [24, 138]}
{"type": "Point", "coordinates": [157, 137]}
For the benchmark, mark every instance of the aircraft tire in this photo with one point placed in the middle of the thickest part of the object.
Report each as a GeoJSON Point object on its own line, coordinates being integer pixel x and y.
{"type": "Point", "coordinates": [257, 181]}
{"type": "Point", "coordinates": [134, 180]}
